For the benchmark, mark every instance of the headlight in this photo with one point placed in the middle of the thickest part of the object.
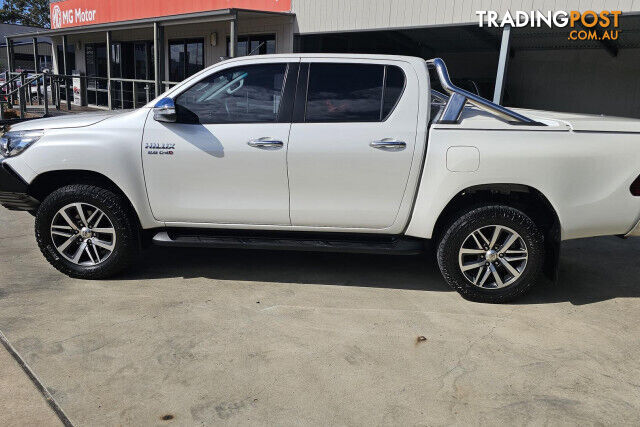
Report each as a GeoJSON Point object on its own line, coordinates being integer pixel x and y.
{"type": "Point", "coordinates": [14, 143]}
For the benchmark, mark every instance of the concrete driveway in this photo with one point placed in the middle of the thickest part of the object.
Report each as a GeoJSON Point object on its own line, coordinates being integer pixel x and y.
{"type": "Point", "coordinates": [251, 337]}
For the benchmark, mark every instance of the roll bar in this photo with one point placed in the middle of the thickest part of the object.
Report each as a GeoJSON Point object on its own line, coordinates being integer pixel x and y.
{"type": "Point", "coordinates": [459, 97]}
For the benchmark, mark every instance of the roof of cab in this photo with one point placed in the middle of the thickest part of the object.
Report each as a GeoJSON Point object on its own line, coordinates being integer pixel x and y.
{"type": "Point", "coordinates": [413, 59]}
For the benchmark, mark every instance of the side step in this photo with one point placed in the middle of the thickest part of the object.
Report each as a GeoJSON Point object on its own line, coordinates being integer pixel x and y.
{"type": "Point", "coordinates": [398, 245]}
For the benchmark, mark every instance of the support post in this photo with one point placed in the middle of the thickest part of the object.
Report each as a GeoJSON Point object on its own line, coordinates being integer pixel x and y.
{"type": "Point", "coordinates": [46, 94]}
{"type": "Point", "coordinates": [109, 101]}
{"type": "Point", "coordinates": [11, 86]}
{"type": "Point", "coordinates": [158, 56]}
{"type": "Point", "coordinates": [22, 93]}
{"type": "Point", "coordinates": [233, 37]}
{"type": "Point", "coordinates": [66, 72]}
{"type": "Point", "coordinates": [9, 54]}
{"type": "Point", "coordinates": [64, 56]}
{"type": "Point", "coordinates": [54, 94]}
{"type": "Point", "coordinates": [58, 94]}
{"type": "Point", "coordinates": [503, 61]}
{"type": "Point", "coordinates": [35, 68]}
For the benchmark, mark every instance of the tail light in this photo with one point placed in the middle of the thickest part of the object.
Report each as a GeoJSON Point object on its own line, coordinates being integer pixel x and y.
{"type": "Point", "coordinates": [635, 187]}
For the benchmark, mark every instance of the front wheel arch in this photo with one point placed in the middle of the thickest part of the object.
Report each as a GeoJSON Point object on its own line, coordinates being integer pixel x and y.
{"type": "Point", "coordinates": [48, 182]}
{"type": "Point", "coordinates": [123, 246]}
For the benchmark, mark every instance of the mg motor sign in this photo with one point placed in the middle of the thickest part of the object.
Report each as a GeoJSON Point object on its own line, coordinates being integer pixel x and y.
{"type": "Point", "coordinates": [61, 18]}
{"type": "Point", "coordinates": [75, 13]}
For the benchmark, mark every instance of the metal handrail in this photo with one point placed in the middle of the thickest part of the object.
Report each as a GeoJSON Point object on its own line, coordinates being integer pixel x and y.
{"type": "Point", "coordinates": [459, 97]}
{"type": "Point", "coordinates": [25, 84]}
{"type": "Point", "coordinates": [57, 88]}
{"type": "Point", "coordinates": [11, 80]}
{"type": "Point", "coordinates": [119, 79]}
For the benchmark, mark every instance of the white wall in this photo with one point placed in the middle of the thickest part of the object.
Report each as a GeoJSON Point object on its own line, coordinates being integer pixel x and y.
{"type": "Point", "coordinates": [313, 16]}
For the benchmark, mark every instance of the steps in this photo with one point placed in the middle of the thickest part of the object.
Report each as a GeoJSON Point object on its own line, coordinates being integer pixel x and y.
{"type": "Point", "coordinates": [298, 241]}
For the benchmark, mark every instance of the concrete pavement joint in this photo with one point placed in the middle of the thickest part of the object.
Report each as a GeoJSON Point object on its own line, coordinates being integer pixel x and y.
{"type": "Point", "coordinates": [36, 381]}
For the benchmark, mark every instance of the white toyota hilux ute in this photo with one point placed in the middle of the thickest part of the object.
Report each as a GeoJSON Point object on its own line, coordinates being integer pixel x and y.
{"type": "Point", "coordinates": [352, 153]}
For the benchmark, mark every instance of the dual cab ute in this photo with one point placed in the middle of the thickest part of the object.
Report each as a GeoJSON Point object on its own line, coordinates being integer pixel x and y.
{"type": "Point", "coordinates": [354, 153]}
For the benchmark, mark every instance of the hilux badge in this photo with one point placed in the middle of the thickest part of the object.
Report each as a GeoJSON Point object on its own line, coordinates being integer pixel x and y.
{"type": "Point", "coordinates": [155, 148]}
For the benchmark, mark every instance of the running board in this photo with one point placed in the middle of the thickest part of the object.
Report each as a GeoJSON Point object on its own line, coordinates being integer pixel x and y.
{"type": "Point", "coordinates": [391, 245]}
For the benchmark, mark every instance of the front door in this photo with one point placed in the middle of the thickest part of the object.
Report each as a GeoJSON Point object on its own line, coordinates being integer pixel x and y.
{"type": "Point", "coordinates": [351, 146]}
{"type": "Point", "coordinates": [225, 160]}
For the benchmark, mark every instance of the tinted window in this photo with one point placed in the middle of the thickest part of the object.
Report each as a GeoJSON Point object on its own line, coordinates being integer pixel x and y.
{"type": "Point", "coordinates": [344, 93]}
{"type": "Point", "coordinates": [352, 92]}
{"type": "Point", "coordinates": [195, 57]}
{"type": "Point", "coordinates": [176, 62]}
{"type": "Point", "coordinates": [249, 94]}
{"type": "Point", "coordinates": [186, 57]}
{"type": "Point", "coordinates": [254, 45]}
{"type": "Point", "coordinates": [394, 85]}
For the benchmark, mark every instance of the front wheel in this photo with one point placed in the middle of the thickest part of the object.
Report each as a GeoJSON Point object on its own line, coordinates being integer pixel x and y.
{"type": "Point", "coordinates": [491, 254]}
{"type": "Point", "coordinates": [86, 232]}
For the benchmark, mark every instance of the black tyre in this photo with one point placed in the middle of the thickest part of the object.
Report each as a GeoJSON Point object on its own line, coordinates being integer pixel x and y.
{"type": "Point", "coordinates": [86, 231]}
{"type": "Point", "coordinates": [491, 254]}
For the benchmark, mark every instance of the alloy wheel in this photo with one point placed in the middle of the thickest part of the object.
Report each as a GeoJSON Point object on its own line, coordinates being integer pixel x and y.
{"type": "Point", "coordinates": [493, 257]}
{"type": "Point", "coordinates": [83, 234]}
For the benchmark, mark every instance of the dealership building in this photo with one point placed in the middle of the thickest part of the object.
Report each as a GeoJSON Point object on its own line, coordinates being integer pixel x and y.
{"type": "Point", "coordinates": [130, 51]}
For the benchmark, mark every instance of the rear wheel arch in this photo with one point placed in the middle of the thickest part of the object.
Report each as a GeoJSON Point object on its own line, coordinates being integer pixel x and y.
{"type": "Point", "coordinates": [525, 198]}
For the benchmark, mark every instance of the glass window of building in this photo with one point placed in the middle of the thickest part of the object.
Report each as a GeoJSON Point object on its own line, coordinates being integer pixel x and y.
{"type": "Point", "coordinates": [259, 44]}
{"type": "Point", "coordinates": [186, 57]}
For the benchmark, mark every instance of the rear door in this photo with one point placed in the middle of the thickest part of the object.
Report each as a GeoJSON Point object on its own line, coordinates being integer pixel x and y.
{"type": "Point", "coordinates": [352, 142]}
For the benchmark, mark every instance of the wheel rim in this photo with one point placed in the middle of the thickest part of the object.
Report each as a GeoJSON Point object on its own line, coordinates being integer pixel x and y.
{"type": "Point", "coordinates": [493, 257]}
{"type": "Point", "coordinates": [83, 234]}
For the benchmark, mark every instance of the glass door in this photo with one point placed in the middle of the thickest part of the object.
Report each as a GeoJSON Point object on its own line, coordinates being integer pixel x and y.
{"type": "Point", "coordinates": [144, 70]}
{"type": "Point", "coordinates": [71, 64]}
{"type": "Point", "coordinates": [96, 66]}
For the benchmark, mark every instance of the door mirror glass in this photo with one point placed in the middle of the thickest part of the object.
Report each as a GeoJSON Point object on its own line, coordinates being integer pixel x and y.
{"type": "Point", "coordinates": [165, 111]}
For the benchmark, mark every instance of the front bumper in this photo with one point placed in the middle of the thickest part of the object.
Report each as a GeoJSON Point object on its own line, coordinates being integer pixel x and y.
{"type": "Point", "coordinates": [13, 190]}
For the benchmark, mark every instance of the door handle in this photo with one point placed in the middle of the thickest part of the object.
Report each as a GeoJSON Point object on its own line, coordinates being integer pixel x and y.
{"type": "Point", "coordinates": [389, 144]}
{"type": "Point", "coordinates": [265, 142]}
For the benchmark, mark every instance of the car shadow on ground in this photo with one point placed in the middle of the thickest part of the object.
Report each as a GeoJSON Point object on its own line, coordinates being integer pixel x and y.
{"type": "Point", "coordinates": [591, 270]}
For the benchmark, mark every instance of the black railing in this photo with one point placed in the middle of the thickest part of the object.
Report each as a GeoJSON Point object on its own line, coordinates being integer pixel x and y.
{"type": "Point", "coordinates": [18, 89]}
{"type": "Point", "coordinates": [57, 90]}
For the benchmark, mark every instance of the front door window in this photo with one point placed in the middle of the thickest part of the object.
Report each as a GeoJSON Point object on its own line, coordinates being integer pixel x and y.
{"type": "Point", "coordinates": [247, 94]}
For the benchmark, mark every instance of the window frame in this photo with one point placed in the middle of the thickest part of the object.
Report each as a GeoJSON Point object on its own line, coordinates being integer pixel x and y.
{"type": "Point", "coordinates": [185, 42]}
{"type": "Point", "coordinates": [287, 92]}
{"type": "Point", "coordinates": [384, 87]}
{"type": "Point", "coordinates": [302, 96]}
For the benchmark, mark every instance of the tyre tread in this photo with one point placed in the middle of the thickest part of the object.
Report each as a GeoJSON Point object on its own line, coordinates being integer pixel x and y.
{"type": "Point", "coordinates": [127, 239]}
{"type": "Point", "coordinates": [491, 213]}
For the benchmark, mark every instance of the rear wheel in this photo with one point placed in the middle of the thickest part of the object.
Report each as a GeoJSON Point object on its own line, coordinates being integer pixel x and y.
{"type": "Point", "coordinates": [491, 254]}
{"type": "Point", "coordinates": [85, 231]}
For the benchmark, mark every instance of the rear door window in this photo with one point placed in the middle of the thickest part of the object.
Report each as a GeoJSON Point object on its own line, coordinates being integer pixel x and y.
{"type": "Point", "coordinates": [393, 88]}
{"type": "Point", "coordinates": [352, 92]}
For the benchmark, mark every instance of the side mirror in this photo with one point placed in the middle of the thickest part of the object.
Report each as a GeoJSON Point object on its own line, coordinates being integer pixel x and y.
{"type": "Point", "coordinates": [165, 111]}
